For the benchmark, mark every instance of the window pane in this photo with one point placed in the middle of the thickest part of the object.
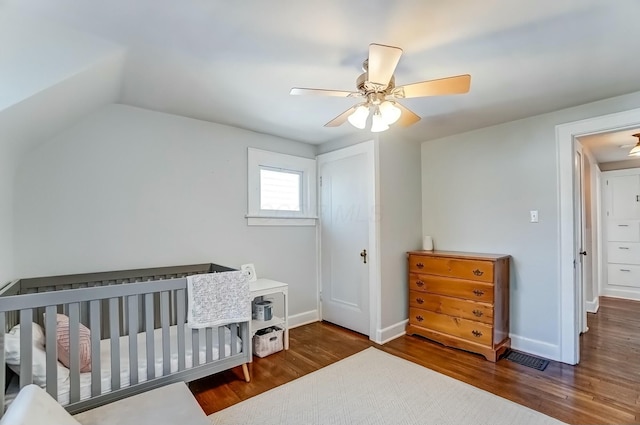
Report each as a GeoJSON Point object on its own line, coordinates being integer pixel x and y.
{"type": "Point", "coordinates": [279, 190]}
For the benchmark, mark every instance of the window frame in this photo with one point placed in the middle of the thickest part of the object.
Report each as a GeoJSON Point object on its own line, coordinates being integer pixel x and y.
{"type": "Point", "coordinates": [260, 159]}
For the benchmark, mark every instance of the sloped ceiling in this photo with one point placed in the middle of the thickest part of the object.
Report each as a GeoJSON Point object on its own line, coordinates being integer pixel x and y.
{"type": "Point", "coordinates": [50, 77]}
{"type": "Point", "coordinates": [233, 62]}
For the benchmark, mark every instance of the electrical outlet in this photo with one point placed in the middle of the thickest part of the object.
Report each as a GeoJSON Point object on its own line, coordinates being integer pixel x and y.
{"type": "Point", "coordinates": [534, 216]}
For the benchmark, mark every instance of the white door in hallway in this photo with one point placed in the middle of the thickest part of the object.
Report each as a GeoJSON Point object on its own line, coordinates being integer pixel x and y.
{"type": "Point", "coordinates": [346, 214]}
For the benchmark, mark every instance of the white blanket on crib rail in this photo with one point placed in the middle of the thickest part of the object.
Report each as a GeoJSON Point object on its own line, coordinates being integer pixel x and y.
{"type": "Point", "coordinates": [218, 298]}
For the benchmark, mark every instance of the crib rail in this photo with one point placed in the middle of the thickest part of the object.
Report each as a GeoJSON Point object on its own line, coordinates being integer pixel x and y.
{"type": "Point", "coordinates": [117, 310]}
{"type": "Point", "coordinates": [100, 279]}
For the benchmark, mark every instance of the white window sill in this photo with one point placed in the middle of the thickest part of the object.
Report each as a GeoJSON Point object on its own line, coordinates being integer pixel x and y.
{"type": "Point", "coordinates": [255, 220]}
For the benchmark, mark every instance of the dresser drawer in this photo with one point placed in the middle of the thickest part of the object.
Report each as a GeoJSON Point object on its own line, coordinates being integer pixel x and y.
{"type": "Point", "coordinates": [470, 330]}
{"type": "Point", "coordinates": [452, 306]}
{"type": "Point", "coordinates": [624, 252]}
{"type": "Point", "coordinates": [452, 267]}
{"type": "Point", "coordinates": [466, 289]}
{"type": "Point", "coordinates": [624, 275]}
{"type": "Point", "coordinates": [623, 231]}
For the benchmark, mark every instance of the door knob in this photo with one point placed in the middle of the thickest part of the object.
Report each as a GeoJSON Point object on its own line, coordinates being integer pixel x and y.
{"type": "Point", "coordinates": [583, 252]}
{"type": "Point", "coordinates": [363, 254]}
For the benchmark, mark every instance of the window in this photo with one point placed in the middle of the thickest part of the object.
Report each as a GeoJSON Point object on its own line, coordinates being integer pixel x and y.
{"type": "Point", "coordinates": [282, 189]}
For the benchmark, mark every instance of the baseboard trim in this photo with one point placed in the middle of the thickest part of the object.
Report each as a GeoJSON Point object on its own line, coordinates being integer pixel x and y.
{"type": "Point", "coordinates": [535, 347]}
{"type": "Point", "coordinates": [593, 306]}
{"type": "Point", "coordinates": [305, 318]}
{"type": "Point", "coordinates": [629, 294]}
{"type": "Point", "coordinates": [390, 332]}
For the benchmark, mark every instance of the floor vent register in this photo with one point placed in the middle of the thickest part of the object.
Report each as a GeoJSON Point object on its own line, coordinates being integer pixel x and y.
{"type": "Point", "coordinates": [527, 360]}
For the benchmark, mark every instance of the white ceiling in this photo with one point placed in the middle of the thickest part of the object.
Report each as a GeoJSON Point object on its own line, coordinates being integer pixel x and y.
{"type": "Point", "coordinates": [233, 62]}
{"type": "Point", "coordinates": [611, 147]}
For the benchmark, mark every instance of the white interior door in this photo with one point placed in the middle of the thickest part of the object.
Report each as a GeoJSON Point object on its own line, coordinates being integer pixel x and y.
{"type": "Point", "coordinates": [345, 218]}
{"type": "Point", "coordinates": [589, 222]}
{"type": "Point", "coordinates": [579, 246]}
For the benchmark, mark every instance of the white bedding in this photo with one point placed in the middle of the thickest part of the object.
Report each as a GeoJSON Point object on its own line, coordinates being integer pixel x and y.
{"type": "Point", "coordinates": [105, 362]}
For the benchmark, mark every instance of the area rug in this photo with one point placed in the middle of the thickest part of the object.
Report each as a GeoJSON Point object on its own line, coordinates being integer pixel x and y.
{"type": "Point", "coordinates": [374, 387]}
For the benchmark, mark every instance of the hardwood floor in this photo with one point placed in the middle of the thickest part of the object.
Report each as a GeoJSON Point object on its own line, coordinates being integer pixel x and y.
{"type": "Point", "coordinates": [603, 389]}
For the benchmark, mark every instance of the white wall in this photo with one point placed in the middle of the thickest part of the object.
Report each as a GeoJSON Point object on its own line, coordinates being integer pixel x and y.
{"type": "Point", "coordinates": [6, 214]}
{"type": "Point", "coordinates": [477, 190]}
{"type": "Point", "coordinates": [128, 187]}
{"type": "Point", "coordinates": [400, 225]}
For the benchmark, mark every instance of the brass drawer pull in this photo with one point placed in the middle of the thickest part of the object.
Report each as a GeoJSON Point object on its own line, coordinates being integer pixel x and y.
{"type": "Point", "coordinates": [419, 318]}
{"type": "Point", "coordinates": [478, 292]}
{"type": "Point", "coordinates": [419, 283]}
{"type": "Point", "coordinates": [478, 272]}
{"type": "Point", "coordinates": [476, 333]}
{"type": "Point", "coordinates": [419, 265]}
{"type": "Point", "coordinates": [477, 313]}
{"type": "Point", "coordinates": [419, 300]}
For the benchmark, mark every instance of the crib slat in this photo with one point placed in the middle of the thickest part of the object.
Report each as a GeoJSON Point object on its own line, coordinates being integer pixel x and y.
{"type": "Point", "coordinates": [234, 338]}
{"type": "Point", "coordinates": [26, 355]}
{"type": "Point", "coordinates": [74, 352]}
{"type": "Point", "coordinates": [209, 344]}
{"type": "Point", "coordinates": [95, 325]}
{"type": "Point", "coordinates": [149, 328]}
{"type": "Point", "coordinates": [114, 337]}
{"type": "Point", "coordinates": [132, 313]}
{"type": "Point", "coordinates": [3, 377]}
{"type": "Point", "coordinates": [166, 343]}
{"type": "Point", "coordinates": [195, 347]}
{"type": "Point", "coordinates": [51, 348]}
{"type": "Point", "coordinates": [180, 321]}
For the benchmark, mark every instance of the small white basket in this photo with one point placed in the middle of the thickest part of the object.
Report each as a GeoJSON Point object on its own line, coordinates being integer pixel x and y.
{"type": "Point", "coordinates": [268, 343]}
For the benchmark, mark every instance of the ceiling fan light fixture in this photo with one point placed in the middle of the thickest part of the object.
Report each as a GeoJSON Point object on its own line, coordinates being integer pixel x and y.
{"type": "Point", "coordinates": [378, 123]}
{"type": "Point", "coordinates": [390, 112]}
{"type": "Point", "coordinates": [358, 118]}
{"type": "Point", "coordinates": [635, 151]}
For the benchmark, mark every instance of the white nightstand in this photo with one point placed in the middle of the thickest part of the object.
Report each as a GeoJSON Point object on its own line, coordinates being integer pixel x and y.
{"type": "Point", "coordinates": [264, 287]}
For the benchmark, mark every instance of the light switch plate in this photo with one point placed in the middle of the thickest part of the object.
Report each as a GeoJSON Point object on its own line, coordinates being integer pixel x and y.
{"type": "Point", "coordinates": [534, 216]}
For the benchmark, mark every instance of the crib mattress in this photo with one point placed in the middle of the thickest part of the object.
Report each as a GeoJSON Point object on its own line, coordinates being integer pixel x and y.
{"type": "Point", "coordinates": [105, 362]}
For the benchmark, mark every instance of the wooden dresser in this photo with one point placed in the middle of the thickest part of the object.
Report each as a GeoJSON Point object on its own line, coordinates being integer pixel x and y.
{"type": "Point", "coordinates": [460, 300]}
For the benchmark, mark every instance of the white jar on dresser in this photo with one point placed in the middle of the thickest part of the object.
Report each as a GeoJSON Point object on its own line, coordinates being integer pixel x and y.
{"type": "Point", "coordinates": [621, 208]}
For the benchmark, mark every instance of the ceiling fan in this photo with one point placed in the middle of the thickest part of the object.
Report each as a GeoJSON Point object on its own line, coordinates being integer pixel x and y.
{"type": "Point", "coordinates": [377, 86]}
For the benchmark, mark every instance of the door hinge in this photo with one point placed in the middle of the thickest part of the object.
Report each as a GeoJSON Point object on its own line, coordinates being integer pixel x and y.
{"type": "Point", "coordinates": [320, 181]}
{"type": "Point", "coordinates": [607, 182]}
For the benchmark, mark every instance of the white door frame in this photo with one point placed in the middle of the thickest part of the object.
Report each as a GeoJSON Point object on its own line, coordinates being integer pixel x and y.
{"type": "Point", "coordinates": [370, 149]}
{"type": "Point", "coordinates": [565, 135]}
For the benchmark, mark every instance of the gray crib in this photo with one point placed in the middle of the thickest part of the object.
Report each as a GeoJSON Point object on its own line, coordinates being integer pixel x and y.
{"type": "Point", "coordinates": [135, 314]}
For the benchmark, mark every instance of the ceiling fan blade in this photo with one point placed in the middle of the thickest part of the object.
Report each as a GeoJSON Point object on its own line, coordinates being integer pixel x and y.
{"type": "Point", "coordinates": [382, 63]}
{"type": "Point", "coordinates": [451, 85]}
{"type": "Point", "coordinates": [322, 92]}
{"type": "Point", "coordinates": [340, 119]}
{"type": "Point", "coordinates": [407, 117]}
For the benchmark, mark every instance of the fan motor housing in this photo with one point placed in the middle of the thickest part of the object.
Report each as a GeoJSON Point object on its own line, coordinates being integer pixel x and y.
{"type": "Point", "coordinates": [363, 79]}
